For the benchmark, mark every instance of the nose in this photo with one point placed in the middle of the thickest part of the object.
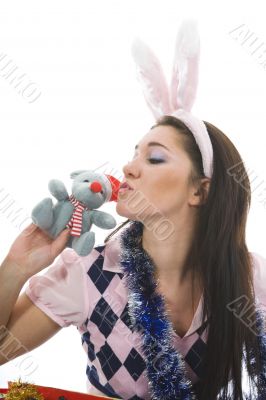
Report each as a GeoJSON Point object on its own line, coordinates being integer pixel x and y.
{"type": "Point", "coordinates": [95, 186]}
{"type": "Point", "coordinates": [131, 168]}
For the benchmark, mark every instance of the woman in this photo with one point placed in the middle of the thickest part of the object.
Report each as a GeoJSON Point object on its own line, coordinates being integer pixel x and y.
{"type": "Point", "coordinates": [201, 264]}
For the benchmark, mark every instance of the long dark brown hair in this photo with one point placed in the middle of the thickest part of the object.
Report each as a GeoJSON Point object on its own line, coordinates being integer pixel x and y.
{"type": "Point", "coordinates": [219, 255]}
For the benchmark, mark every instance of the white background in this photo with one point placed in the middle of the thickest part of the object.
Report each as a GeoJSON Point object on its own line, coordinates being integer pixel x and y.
{"type": "Point", "coordinates": [91, 111]}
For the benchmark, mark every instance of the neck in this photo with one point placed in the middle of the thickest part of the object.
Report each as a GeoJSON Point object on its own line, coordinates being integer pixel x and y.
{"type": "Point", "coordinates": [169, 255]}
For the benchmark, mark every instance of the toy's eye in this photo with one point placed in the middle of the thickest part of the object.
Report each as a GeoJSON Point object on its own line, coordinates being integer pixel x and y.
{"type": "Point", "coordinates": [86, 180]}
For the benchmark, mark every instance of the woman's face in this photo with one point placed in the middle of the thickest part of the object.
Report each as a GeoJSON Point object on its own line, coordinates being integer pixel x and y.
{"type": "Point", "coordinates": [158, 175]}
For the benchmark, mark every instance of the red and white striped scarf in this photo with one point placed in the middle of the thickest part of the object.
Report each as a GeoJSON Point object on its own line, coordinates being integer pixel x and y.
{"type": "Point", "coordinates": [76, 221]}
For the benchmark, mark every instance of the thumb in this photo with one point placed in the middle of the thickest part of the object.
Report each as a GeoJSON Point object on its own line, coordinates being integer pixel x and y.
{"type": "Point", "coordinates": [60, 242]}
{"type": "Point", "coordinates": [29, 229]}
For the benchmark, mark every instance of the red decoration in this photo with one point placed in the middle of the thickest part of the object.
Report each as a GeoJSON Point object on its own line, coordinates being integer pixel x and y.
{"type": "Point", "coordinates": [52, 393]}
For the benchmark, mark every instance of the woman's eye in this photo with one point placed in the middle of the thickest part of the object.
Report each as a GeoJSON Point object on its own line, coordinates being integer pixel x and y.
{"type": "Point", "coordinates": [155, 160]}
{"type": "Point", "coordinates": [86, 180]}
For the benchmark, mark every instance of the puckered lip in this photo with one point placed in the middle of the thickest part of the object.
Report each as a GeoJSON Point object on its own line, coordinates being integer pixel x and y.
{"type": "Point", "coordinates": [125, 185]}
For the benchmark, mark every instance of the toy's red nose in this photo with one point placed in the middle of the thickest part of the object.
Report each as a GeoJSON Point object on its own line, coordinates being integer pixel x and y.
{"type": "Point", "coordinates": [96, 187]}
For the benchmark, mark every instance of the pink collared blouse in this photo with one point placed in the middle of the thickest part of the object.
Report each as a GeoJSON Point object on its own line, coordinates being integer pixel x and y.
{"type": "Point", "coordinates": [90, 293]}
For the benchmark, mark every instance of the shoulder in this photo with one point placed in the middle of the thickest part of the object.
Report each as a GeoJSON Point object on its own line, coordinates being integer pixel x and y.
{"type": "Point", "coordinates": [259, 265]}
{"type": "Point", "coordinates": [259, 277]}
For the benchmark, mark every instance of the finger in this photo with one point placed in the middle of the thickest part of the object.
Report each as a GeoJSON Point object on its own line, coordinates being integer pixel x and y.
{"type": "Point", "coordinates": [29, 229]}
{"type": "Point", "coordinates": [60, 242]}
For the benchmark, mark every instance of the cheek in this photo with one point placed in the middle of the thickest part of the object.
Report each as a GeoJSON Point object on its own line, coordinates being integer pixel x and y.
{"type": "Point", "coordinates": [165, 186]}
{"type": "Point", "coordinates": [169, 194]}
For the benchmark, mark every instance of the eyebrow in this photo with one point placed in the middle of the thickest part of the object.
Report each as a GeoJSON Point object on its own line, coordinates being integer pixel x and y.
{"type": "Point", "coordinates": [154, 144]}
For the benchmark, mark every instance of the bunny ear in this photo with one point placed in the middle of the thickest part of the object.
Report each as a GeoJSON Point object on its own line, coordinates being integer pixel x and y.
{"type": "Point", "coordinates": [151, 77]}
{"type": "Point", "coordinates": [185, 66]}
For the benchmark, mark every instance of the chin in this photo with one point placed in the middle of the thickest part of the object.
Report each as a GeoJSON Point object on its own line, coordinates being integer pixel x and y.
{"type": "Point", "coordinates": [142, 216]}
{"type": "Point", "coordinates": [123, 211]}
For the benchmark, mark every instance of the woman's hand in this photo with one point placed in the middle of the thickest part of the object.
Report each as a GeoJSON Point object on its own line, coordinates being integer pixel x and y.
{"type": "Point", "coordinates": [33, 250]}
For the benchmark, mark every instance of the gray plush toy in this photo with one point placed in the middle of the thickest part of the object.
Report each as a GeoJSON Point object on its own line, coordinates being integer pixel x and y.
{"type": "Point", "coordinates": [79, 210]}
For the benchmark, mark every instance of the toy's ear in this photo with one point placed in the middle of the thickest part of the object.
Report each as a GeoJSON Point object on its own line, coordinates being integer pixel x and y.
{"type": "Point", "coordinates": [74, 174]}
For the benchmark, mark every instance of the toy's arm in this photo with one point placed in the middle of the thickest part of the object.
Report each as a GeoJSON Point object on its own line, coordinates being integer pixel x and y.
{"type": "Point", "coordinates": [103, 219]}
{"type": "Point", "coordinates": [58, 189]}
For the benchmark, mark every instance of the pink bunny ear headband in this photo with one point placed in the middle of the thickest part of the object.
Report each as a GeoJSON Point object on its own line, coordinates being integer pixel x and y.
{"type": "Point", "coordinates": [179, 100]}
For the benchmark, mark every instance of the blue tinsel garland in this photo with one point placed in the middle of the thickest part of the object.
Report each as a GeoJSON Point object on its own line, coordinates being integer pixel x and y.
{"type": "Point", "coordinates": [165, 368]}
